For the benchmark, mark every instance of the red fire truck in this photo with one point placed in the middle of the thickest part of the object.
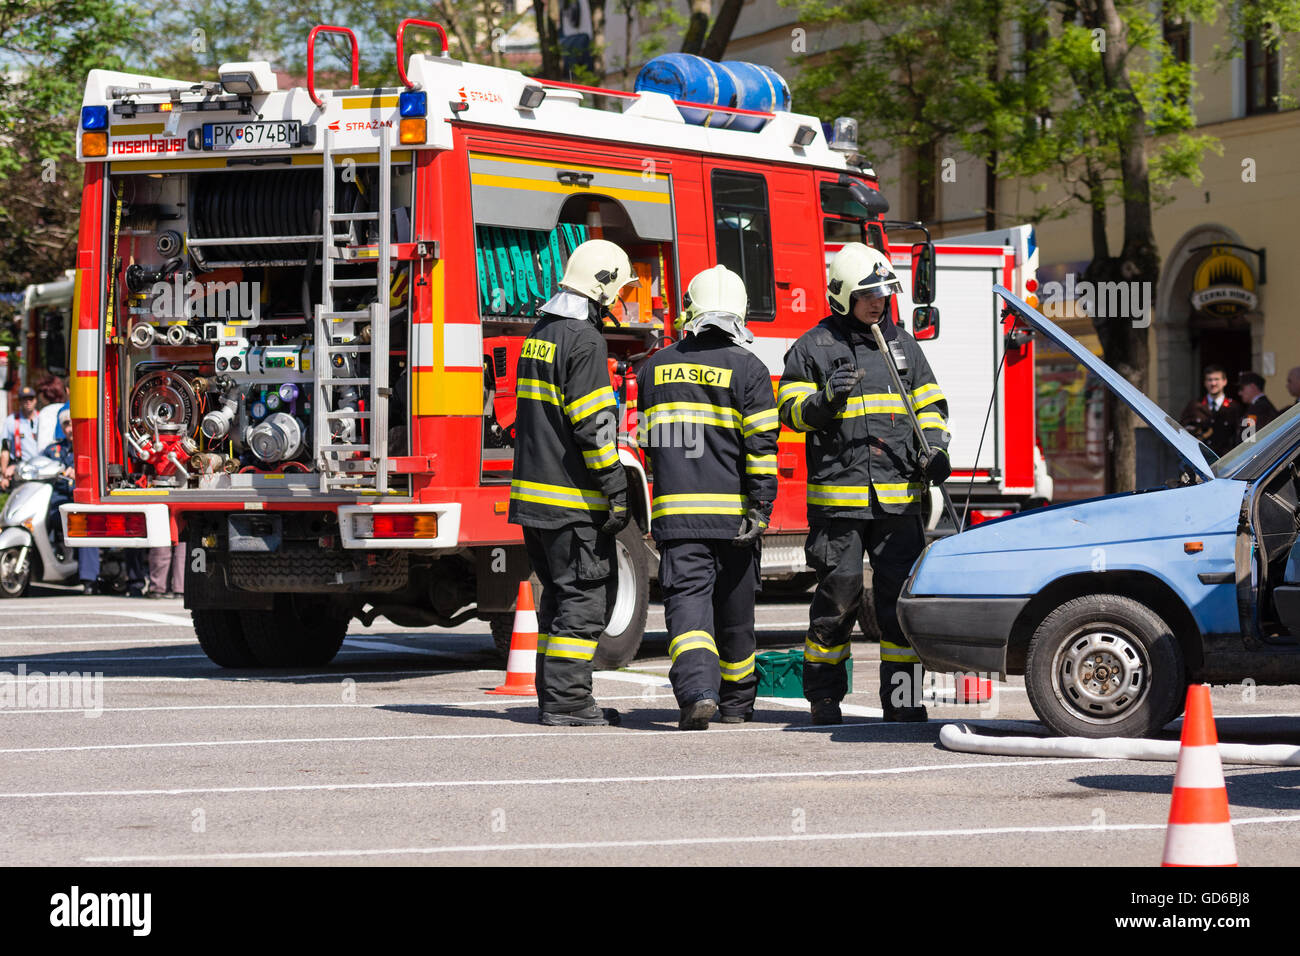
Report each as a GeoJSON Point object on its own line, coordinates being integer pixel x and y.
{"type": "Point", "coordinates": [298, 314]}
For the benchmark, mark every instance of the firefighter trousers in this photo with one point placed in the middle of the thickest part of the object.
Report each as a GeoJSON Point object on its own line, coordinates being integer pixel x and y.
{"type": "Point", "coordinates": [576, 569]}
{"type": "Point", "coordinates": [709, 588]}
{"type": "Point", "coordinates": [835, 550]}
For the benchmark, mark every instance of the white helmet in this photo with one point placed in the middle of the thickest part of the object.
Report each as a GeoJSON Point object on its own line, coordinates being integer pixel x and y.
{"type": "Point", "coordinates": [597, 269]}
{"type": "Point", "coordinates": [860, 270]}
{"type": "Point", "coordinates": [716, 292]}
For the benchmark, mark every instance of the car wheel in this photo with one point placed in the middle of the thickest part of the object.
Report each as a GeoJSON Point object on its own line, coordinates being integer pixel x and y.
{"type": "Point", "coordinates": [1104, 666]}
{"type": "Point", "coordinates": [12, 583]}
{"type": "Point", "coordinates": [627, 615]}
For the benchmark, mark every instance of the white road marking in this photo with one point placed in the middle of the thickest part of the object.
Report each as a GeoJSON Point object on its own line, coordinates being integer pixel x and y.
{"type": "Point", "coordinates": [669, 842]}
{"type": "Point", "coordinates": [75, 627]}
{"type": "Point", "coordinates": [377, 645]}
{"type": "Point", "coordinates": [374, 705]}
{"type": "Point", "coordinates": [269, 678]}
{"type": "Point", "coordinates": [554, 781]}
{"type": "Point", "coordinates": [153, 618]}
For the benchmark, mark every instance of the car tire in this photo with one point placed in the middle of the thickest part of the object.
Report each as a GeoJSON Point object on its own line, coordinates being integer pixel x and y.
{"type": "Point", "coordinates": [1104, 665]}
{"type": "Point", "coordinates": [221, 636]}
{"type": "Point", "coordinates": [627, 616]}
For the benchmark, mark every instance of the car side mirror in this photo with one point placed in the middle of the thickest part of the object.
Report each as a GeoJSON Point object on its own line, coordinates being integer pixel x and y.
{"type": "Point", "coordinates": [925, 323]}
{"type": "Point", "coordinates": [923, 273]}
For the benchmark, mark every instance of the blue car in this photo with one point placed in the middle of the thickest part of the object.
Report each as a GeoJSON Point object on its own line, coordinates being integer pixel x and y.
{"type": "Point", "coordinates": [1110, 607]}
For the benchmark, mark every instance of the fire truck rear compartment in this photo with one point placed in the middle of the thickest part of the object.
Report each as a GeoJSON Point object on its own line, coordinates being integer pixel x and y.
{"type": "Point", "coordinates": [252, 560]}
{"type": "Point", "coordinates": [227, 383]}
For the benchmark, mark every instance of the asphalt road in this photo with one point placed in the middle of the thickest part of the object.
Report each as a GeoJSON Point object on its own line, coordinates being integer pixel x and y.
{"type": "Point", "coordinates": [393, 754]}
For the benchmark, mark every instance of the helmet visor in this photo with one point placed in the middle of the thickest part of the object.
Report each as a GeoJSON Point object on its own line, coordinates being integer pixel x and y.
{"type": "Point", "coordinates": [880, 290]}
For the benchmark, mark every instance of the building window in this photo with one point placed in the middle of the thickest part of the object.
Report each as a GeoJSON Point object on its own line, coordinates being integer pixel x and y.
{"type": "Point", "coordinates": [1178, 36]}
{"type": "Point", "coordinates": [1263, 72]}
{"type": "Point", "coordinates": [743, 233]}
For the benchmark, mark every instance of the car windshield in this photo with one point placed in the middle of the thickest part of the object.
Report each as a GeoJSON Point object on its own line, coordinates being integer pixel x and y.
{"type": "Point", "coordinates": [1239, 457]}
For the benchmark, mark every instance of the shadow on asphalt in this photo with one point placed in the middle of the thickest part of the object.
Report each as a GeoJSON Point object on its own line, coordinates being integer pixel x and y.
{"type": "Point", "coordinates": [1261, 789]}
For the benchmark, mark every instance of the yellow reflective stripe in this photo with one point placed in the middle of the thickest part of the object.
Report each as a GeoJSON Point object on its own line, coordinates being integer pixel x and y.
{"type": "Point", "coordinates": [539, 391]}
{"type": "Point", "coordinates": [898, 653]}
{"type": "Point", "coordinates": [878, 404]}
{"type": "Point", "coordinates": [899, 493]}
{"type": "Point", "coordinates": [796, 411]}
{"type": "Point", "coordinates": [831, 496]}
{"type": "Point", "coordinates": [927, 395]}
{"type": "Point", "coordinates": [737, 670]}
{"type": "Point", "coordinates": [697, 504]}
{"type": "Point", "coordinates": [602, 457]}
{"type": "Point", "coordinates": [541, 643]}
{"type": "Point", "coordinates": [931, 420]}
{"type": "Point", "coordinates": [760, 464]}
{"type": "Point", "coordinates": [558, 495]}
{"type": "Point", "coordinates": [667, 413]}
{"type": "Point", "coordinates": [592, 402]}
{"type": "Point", "coordinates": [764, 421]}
{"type": "Point", "coordinates": [822, 654]}
{"type": "Point", "coordinates": [787, 389]}
{"type": "Point", "coordinates": [692, 641]}
{"type": "Point", "coordinates": [572, 648]}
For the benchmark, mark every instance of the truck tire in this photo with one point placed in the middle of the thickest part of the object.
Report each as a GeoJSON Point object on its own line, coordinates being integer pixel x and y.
{"type": "Point", "coordinates": [298, 632]}
{"type": "Point", "coordinates": [867, 616]}
{"type": "Point", "coordinates": [503, 629]}
{"type": "Point", "coordinates": [627, 616]}
{"type": "Point", "coordinates": [222, 637]}
{"type": "Point", "coordinates": [1103, 665]}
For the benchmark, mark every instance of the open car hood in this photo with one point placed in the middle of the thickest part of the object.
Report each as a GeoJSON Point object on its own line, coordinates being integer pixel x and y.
{"type": "Point", "coordinates": [1190, 450]}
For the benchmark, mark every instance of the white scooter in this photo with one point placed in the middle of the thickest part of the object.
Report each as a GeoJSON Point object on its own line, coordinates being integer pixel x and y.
{"type": "Point", "coordinates": [27, 552]}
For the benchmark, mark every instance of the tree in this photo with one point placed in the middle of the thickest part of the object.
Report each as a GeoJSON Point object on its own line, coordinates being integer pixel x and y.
{"type": "Point", "coordinates": [1081, 94]}
{"type": "Point", "coordinates": [48, 46]}
{"type": "Point", "coordinates": [710, 42]}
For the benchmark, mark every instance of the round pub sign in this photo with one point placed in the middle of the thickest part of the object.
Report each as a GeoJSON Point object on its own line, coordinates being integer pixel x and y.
{"type": "Point", "coordinates": [1224, 285]}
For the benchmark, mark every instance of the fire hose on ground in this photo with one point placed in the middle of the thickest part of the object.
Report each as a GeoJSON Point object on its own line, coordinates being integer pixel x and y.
{"type": "Point", "coordinates": [963, 739]}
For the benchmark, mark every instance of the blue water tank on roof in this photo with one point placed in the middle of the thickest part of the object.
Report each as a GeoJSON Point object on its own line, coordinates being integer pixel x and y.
{"type": "Point", "coordinates": [732, 83]}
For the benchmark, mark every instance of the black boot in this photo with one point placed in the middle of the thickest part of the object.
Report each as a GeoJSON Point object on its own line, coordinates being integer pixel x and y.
{"type": "Point", "coordinates": [826, 712]}
{"type": "Point", "coordinates": [901, 693]}
{"type": "Point", "coordinates": [696, 716]}
{"type": "Point", "coordinates": [592, 716]}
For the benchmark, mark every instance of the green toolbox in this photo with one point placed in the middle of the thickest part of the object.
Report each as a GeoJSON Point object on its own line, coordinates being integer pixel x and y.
{"type": "Point", "coordinates": [780, 673]}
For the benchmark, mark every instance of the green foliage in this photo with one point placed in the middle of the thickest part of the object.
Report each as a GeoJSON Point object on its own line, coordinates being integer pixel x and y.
{"type": "Point", "coordinates": [46, 49]}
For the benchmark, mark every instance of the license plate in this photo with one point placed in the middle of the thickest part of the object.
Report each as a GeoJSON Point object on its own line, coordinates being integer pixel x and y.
{"type": "Point", "coordinates": [282, 134]}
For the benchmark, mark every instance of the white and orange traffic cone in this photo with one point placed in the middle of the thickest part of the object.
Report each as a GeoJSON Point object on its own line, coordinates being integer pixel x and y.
{"type": "Point", "coordinates": [1200, 833]}
{"type": "Point", "coordinates": [521, 665]}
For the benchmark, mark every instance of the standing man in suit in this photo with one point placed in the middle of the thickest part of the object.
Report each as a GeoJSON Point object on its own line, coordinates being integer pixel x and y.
{"type": "Point", "coordinates": [1216, 418]}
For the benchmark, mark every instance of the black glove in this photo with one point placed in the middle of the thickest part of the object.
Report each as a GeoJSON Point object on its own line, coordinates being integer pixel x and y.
{"type": "Point", "coordinates": [937, 467]}
{"type": "Point", "coordinates": [751, 526]}
{"type": "Point", "coordinates": [842, 381]}
{"type": "Point", "coordinates": [619, 515]}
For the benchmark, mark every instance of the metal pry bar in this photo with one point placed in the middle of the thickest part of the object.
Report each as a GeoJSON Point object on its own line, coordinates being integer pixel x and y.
{"type": "Point", "coordinates": [911, 413]}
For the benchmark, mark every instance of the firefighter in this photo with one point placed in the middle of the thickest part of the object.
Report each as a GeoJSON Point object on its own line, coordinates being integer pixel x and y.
{"type": "Point", "coordinates": [709, 423]}
{"type": "Point", "coordinates": [866, 477]}
{"type": "Point", "coordinates": [569, 491]}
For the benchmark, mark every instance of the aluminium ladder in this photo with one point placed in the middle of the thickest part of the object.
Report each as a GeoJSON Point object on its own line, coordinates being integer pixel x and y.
{"type": "Point", "coordinates": [345, 461]}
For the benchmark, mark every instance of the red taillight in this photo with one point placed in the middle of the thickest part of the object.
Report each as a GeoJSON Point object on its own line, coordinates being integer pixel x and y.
{"type": "Point", "coordinates": [978, 516]}
{"type": "Point", "coordinates": [107, 524]}
{"type": "Point", "coordinates": [396, 526]}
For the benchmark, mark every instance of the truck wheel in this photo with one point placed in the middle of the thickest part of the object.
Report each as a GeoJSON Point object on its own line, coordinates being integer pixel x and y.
{"type": "Point", "coordinates": [622, 637]}
{"type": "Point", "coordinates": [222, 637]}
{"type": "Point", "coordinates": [298, 632]}
{"type": "Point", "coordinates": [13, 584]}
{"type": "Point", "coordinates": [503, 629]}
{"type": "Point", "coordinates": [867, 616]}
{"type": "Point", "coordinates": [1104, 666]}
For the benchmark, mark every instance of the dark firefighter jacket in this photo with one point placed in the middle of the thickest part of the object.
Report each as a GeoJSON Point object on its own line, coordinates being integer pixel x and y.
{"type": "Point", "coordinates": [862, 449]}
{"type": "Point", "coordinates": [707, 418]}
{"type": "Point", "coordinates": [566, 428]}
